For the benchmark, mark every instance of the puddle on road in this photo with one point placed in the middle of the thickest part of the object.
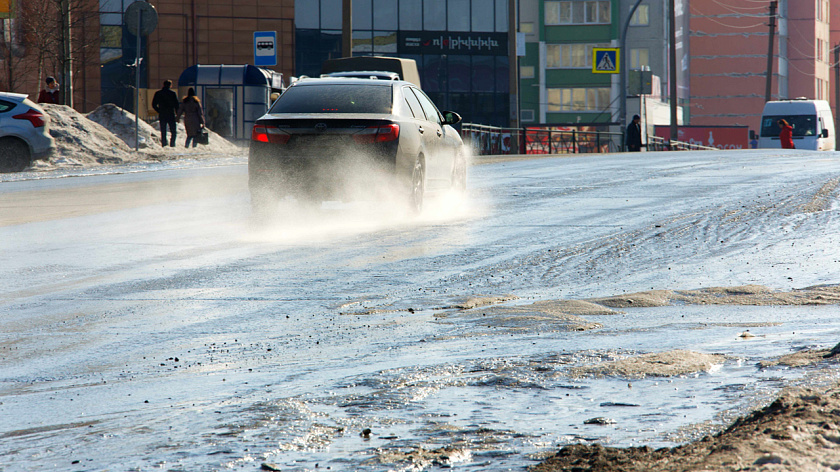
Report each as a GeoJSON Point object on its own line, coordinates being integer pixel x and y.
{"type": "Point", "coordinates": [563, 378]}
{"type": "Point", "coordinates": [501, 385]}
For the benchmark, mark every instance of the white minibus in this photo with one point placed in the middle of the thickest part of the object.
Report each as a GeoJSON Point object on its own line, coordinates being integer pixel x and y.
{"type": "Point", "coordinates": [812, 122]}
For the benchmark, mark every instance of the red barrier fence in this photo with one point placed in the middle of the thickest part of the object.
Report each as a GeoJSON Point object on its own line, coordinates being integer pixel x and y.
{"type": "Point", "coordinates": [486, 140]}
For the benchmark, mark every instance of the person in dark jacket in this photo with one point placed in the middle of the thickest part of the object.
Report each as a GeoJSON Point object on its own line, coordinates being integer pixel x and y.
{"type": "Point", "coordinates": [165, 103]}
{"type": "Point", "coordinates": [634, 134]}
{"type": "Point", "coordinates": [50, 92]}
{"type": "Point", "coordinates": [786, 135]}
{"type": "Point", "coordinates": [193, 116]}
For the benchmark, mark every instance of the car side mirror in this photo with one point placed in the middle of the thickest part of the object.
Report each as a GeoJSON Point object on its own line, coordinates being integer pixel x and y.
{"type": "Point", "coordinates": [824, 133]}
{"type": "Point", "coordinates": [451, 118]}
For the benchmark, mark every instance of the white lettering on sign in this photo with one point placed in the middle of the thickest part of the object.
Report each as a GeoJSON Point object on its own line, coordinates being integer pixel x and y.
{"type": "Point", "coordinates": [458, 43]}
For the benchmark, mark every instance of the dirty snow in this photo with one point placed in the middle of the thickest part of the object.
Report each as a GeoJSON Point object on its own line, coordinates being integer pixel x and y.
{"type": "Point", "coordinates": [106, 136]}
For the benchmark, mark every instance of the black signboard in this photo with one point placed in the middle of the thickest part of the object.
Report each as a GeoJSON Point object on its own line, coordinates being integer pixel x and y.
{"type": "Point", "coordinates": [441, 42]}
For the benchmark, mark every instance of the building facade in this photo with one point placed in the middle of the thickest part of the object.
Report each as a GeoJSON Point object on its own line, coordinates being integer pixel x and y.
{"type": "Point", "coordinates": [834, 73]}
{"type": "Point", "coordinates": [31, 49]}
{"type": "Point", "coordinates": [460, 46]}
{"type": "Point", "coordinates": [647, 41]}
{"type": "Point", "coordinates": [104, 52]}
{"type": "Point", "coordinates": [189, 32]}
{"type": "Point", "coordinates": [557, 85]}
{"type": "Point", "coordinates": [730, 45]}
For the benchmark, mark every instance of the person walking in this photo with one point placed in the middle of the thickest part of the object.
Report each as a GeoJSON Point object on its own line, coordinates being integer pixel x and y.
{"type": "Point", "coordinates": [50, 93]}
{"type": "Point", "coordinates": [634, 134]}
{"type": "Point", "coordinates": [165, 103]}
{"type": "Point", "coordinates": [193, 116]}
{"type": "Point", "coordinates": [786, 135]}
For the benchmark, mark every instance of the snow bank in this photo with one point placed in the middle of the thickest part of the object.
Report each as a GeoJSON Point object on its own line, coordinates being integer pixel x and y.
{"type": "Point", "coordinates": [121, 123]}
{"type": "Point", "coordinates": [106, 136]}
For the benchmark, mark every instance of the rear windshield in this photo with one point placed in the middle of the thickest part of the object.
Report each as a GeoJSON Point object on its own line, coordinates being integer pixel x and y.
{"type": "Point", "coordinates": [334, 98]}
{"type": "Point", "coordinates": [803, 125]}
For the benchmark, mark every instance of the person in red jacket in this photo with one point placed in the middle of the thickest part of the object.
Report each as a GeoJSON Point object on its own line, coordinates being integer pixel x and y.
{"type": "Point", "coordinates": [50, 93]}
{"type": "Point", "coordinates": [786, 135]}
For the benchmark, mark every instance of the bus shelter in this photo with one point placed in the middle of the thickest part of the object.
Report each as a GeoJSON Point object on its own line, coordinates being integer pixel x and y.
{"type": "Point", "coordinates": [233, 96]}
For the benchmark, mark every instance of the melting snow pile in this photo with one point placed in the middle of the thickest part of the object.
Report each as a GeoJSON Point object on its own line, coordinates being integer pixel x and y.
{"type": "Point", "coordinates": [121, 123]}
{"type": "Point", "coordinates": [80, 141]}
{"type": "Point", "coordinates": [106, 136]}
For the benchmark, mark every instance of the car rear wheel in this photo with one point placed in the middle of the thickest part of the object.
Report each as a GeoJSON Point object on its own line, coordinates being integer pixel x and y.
{"type": "Point", "coordinates": [14, 155]}
{"type": "Point", "coordinates": [418, 186]}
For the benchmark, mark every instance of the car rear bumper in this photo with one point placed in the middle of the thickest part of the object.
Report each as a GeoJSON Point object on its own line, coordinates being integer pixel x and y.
{"type": "Point", "coordinates": [42, 146]}
{"type": "Point", "coordinates": [44, 154]}
{"type": "Point", "coordinates": [326, 174]}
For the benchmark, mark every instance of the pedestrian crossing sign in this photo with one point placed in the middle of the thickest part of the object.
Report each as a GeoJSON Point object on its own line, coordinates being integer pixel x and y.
{"type": "Point", "coordinates": [605, 60]}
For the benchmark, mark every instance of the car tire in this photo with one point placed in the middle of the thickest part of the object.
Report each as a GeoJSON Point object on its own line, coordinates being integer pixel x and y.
{"type": "Point", "coordinates": [14, 155]}
{"type": "Point", "coordinates": [459, 172]}
{"type": "Point", "coordinates": [418, 186]}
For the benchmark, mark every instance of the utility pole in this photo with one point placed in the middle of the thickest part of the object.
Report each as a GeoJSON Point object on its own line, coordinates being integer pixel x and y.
{"type": "Point", "coordinates": [347, 28]}
{"type": "Point", "coordinates": [673, 69]}
{"type": "Point", "coordinates": [513, 28]}
{"type": "Point", "coordinates": [768, 84]}
{"type": "Point", "coordinates": [836, 94]}
{"type": "Point", "coordinates": [622, 64]}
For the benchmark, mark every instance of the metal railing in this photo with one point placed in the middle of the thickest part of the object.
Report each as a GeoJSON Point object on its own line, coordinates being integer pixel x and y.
{"type": "Point", "coordinates": [486, 140]}
{"type": "Point", "coordinates": [491, 140]}
{"type": "Point", "coordinates": [552, 141]}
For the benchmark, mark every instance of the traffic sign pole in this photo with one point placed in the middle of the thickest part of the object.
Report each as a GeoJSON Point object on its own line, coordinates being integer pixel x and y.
{"type": "Point", "coordinates": [622, 111]}
{"type": "Point", "coordinates": [141, 19]}
{"type": "Point", "coordinates": [137, 87]}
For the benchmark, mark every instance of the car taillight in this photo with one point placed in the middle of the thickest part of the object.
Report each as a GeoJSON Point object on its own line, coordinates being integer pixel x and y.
{"type": "Point", "coordinates": [35, 117]}
{"type": "Point", "coordinates": [269, 134]}
{"type": "Point", "coordinates": [378, 134]}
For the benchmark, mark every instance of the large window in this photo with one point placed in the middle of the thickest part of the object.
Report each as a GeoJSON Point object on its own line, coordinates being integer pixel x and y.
{"type": "Point", "coordinates": [526, 72]}
{"type": "Point", "coordinates": [641, 17]}
{"type": "Point", "coordinates": [578, 99]}
{"type": "Point", "coordinates": [434, 15]}
{"type": "Point", "coordinates": [570, 56]}
{"type": "Point", "coordinates": [639, 57]}
{"type": "Point", "coordinates": [483, 15]}
{"type": "Point", "coordinates": [458, 17]}
{"type": "Point", "coordinates": [578, 12]}
{"type": "Point", "coordinates": [411, 14]}
{"type": "Point", "coordinates": [526, 115]}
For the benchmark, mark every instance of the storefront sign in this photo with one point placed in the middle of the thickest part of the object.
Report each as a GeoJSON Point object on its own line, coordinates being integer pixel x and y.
{"type": "Point", "coordinates": [721, 137]}
{"type": "Point", "coordinates": [430, 42]}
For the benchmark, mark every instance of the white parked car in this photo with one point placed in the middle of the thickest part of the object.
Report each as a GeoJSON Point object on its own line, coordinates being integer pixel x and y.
{"type": "Point", "coordinates": [24, 132]}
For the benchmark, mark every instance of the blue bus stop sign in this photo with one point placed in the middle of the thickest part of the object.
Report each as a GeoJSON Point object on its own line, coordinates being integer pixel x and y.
{"type": "Point", "coordinates": [265, 48]}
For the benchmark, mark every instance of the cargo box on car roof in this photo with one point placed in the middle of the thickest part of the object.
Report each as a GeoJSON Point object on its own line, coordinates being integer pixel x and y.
{"type": "Point", "coordinates": [406, 68]}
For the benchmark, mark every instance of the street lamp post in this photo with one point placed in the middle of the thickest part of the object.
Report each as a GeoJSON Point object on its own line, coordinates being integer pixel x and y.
{"type": "Point", "coordinates": [622, 112]}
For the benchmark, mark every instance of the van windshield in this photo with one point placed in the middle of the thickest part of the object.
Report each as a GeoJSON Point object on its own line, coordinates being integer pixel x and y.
{"type": "Point", "coordinates": [803, 125]}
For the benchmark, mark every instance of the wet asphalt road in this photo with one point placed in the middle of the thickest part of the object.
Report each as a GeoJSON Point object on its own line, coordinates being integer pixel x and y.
{"type": "Point", "coordinates": [149, 322]}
